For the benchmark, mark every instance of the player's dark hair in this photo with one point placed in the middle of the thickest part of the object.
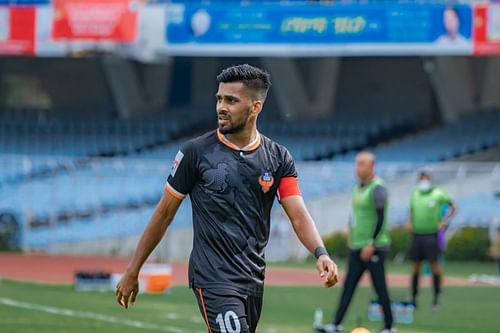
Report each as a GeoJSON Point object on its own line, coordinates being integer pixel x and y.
{"type": "Point", "coordinates": [252, 77]}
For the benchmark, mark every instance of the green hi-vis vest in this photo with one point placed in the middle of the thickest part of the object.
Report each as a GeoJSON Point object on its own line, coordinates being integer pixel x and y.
{"type": "Point", "coordinates": [365, 217]}
{"type": "Point", "coordinates": [425, 209]}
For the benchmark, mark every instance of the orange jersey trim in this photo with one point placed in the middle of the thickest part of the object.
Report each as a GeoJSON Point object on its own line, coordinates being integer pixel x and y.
{"type": "Point", "coordinates": [173, 192]}
{"type": "Point", "coordinates": [204, 309]}
{"type": "Point", "coordinates": [252, 146]}
{"type": "Point", "coordinates": [288, 186]}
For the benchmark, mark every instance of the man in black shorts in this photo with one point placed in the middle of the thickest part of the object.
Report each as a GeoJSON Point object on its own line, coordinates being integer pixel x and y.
{"type": "Point", "coordinates": [426, 221]}
{"type": "Point", "coordinates": [232, 175]}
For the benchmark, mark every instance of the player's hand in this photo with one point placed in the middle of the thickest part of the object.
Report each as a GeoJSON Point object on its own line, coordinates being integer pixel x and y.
{"type": "Point", "coordinates": [327, 270]}
{"type": "Point", "coordinates": [127, 289]}
{"type": "Point", "coordinates": [367, 252]}
{"type": "Point", "coordinates": [442, 226]}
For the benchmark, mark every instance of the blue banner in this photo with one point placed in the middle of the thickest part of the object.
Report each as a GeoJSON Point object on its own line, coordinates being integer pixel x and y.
{"type": "Point", "coordinates": [378, 27]}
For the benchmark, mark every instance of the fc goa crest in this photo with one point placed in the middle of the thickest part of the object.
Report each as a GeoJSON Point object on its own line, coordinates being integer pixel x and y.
{"type": "Point", "coordinates": [266, 180]}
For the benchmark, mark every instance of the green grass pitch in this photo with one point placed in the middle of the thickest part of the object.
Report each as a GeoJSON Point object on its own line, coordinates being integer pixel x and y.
{"type": "Point", "coordinates": [37, 308]}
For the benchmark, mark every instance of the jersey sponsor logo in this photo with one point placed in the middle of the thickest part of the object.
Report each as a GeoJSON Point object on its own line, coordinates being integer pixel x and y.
{"type": "Point", "coordinates": [177, 160]}
{"type": "Point", "coordinates": [266, 180]}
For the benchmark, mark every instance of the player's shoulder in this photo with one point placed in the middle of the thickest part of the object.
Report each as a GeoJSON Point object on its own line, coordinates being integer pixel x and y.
{"type": "Point", "coordinates": [274, 147]}
{"type": "Point", "coordinates": [441, 191]}
{"type": "Point", "coordinates": [200, 142]}
{"type": "Point", "coordinates": [380, 188]}
{"type": "Point", "coordinates": [380, 182]}
{"type": "Point", "coordinates": [437, 190]}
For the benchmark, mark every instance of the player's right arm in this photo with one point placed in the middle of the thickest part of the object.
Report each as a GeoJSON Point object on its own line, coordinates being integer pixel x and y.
{"type": "Point", "coordinates": [163, 214]}
{"type": "Point", "coordinates": [183, 176]}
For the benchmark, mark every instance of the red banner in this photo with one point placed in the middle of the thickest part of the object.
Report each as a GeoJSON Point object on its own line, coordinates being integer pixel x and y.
{"type": "Point", "coordinates": [17, 30]}
{"type": "Point", "coordinates": [95, 20]}
{"type": "Point", "coordinates": [487, 29]}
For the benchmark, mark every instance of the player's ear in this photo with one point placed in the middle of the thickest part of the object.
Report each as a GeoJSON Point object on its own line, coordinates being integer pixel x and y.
{"type": "Point", "coordinates": [257, 106]}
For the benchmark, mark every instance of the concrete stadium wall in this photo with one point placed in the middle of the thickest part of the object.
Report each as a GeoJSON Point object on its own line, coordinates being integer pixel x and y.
{"type": "Point", "coordinates": [74, 86]}
{"type": "Point", "coordinates": [175, 245]}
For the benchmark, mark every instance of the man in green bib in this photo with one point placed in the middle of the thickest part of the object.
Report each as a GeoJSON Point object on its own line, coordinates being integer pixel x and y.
{"type": "Point", "coordinates": [426, 223]}
{"type": "Point", "coordinates": [369, 241]}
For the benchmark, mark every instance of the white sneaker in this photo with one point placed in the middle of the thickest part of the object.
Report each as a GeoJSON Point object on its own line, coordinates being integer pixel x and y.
{"type": "Point", "coordinates": [319, 327]}
{"type": "Point", "coordinates": [331, 328]}
{"type": "Point", "coordinates": [385, 330]}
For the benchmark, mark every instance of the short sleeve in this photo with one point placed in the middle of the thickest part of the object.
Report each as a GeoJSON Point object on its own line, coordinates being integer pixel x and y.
{"type": "Point", "coordinates": [288, 185]}
{"type": "Point", "coordinates": [183, 173]}
{"type": "Point", "coordinates": [288, 165]}
{"type": "Point", "coordinates": [445, 198]}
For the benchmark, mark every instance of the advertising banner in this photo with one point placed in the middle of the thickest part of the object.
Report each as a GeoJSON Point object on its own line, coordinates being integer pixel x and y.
{"type": "Point", "coordinates": [277, 29]}
{"type": "Point", "coordinates": [17, 30]}
{"type": "Point", "coordinates": [95, 20]}
{"type": "Point", "coordinates": [487, 29]}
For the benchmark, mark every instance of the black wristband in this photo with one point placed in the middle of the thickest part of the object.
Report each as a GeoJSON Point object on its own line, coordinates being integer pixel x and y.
{"type": "Point", "coordinates": [319, 251]}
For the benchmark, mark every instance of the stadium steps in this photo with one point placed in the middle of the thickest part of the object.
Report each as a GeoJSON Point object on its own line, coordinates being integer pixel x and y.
{"type": "Point", "coordinates": [323, 140]}
{"type": "Point", "coordinates": [472, 134]}
{"type": "Point", "coordinates": [34, 150]}
{"type": "Point", "coordinates": [488, 155]}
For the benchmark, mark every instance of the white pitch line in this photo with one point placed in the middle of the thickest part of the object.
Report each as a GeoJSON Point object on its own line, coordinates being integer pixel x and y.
{"type": "Point", "coordinates": [89, 315]}
{"type": "Point", "coordinates": [172, 316]}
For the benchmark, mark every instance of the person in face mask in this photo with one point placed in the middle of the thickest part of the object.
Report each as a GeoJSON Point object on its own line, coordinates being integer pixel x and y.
{"type": "Point", "coordinates": [425, 223]}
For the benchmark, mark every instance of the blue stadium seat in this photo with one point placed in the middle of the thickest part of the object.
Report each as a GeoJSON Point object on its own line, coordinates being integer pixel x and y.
{"type": "Point", "coordinates": [465, 136]}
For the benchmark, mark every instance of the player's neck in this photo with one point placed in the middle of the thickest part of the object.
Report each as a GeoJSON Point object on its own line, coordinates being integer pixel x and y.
{"type": "Point", "coordinates": [244, 138]}
{"type": "Point", "coordinates": [367, 180]}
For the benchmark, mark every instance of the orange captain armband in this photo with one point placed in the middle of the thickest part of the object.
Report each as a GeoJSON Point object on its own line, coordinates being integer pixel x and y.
{"type": "Point", "coordinates": [288, 186]}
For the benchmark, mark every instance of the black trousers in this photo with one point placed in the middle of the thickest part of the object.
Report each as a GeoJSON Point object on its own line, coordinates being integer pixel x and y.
{"type": "Point", "coordinates": [355, 270]}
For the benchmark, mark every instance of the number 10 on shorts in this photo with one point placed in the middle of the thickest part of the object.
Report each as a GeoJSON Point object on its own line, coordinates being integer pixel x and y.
{"type": "Point", "coordinates": [226, 323]}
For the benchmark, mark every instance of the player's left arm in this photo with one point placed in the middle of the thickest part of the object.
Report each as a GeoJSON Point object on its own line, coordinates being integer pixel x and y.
{"type": "Point", "coordinates": [307, 233]}
{"type": "Point", "coordinates": [451, 211]}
